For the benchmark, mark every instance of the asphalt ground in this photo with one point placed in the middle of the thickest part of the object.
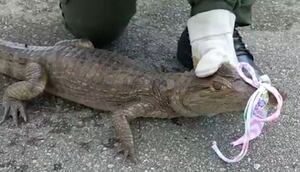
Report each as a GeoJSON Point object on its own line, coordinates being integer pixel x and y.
{"type": "Point", "coordinates": [63, 136]}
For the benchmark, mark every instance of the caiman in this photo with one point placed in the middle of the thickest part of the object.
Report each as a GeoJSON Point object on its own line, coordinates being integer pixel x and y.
{"type": "Point", "coordinates": [104, 80]}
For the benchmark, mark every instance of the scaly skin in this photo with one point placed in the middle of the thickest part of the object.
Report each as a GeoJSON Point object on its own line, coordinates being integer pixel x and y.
{"type": "Point", "coordinates": [104, 80]}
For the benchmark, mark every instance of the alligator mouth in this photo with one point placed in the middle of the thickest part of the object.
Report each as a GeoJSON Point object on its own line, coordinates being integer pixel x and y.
{"type": "Point", "coordinates": [215, 103]}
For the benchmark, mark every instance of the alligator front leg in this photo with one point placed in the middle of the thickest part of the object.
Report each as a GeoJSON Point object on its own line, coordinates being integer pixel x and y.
{"type": "Point", "coordinates": [16, 94]}
{"type": "Point", "coordinates": [121, 120]}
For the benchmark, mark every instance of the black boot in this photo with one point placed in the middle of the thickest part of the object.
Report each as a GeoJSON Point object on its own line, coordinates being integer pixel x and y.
{"type": "Point", "coordinates": [243, 54]}
{"type": "Point", "coordinates": [184, 51]}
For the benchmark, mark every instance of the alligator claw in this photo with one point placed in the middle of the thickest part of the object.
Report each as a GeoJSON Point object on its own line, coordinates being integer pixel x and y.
{"type": "Point", "coordinates": [13, 108]}
{"type": "Point", "coordinates": [128, 154]}
{"type": "Point", "coordinates": [6, 110]}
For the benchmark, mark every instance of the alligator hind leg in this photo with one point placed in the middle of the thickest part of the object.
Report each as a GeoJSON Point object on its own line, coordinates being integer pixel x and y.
{"type": "Point", "coordinates": [16, 94]}
{"type": "Point", "coordinates": [82, 43]}
{"type": "Point", "coordinates": [121, 120]}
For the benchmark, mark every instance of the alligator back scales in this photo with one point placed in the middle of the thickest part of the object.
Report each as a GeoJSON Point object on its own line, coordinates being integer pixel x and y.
{"type": "Point", "coordinates": [93, 77]}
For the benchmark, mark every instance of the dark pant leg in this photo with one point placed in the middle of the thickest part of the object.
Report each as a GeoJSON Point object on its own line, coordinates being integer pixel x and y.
{"type": "Point", "coordinates": [241, 9]}
{"type": "Point", "coordinates": [100, 21]}
{"type": "Point", "coordinates": [243, 12]}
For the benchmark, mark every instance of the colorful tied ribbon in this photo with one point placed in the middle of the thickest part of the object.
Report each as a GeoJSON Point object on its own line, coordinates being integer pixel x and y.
{"type": "Point", "coordinates": [256, 111]}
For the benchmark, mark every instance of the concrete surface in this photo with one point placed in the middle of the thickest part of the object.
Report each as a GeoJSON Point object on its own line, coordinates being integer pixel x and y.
{"type": "Point", "coordinates": [62, 136]}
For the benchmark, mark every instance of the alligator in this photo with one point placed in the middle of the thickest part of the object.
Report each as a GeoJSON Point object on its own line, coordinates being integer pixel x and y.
{"type": "Point", "coordinates": [103, 80]}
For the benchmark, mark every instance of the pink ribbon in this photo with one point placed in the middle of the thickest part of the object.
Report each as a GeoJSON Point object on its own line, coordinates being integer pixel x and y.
{"type": "Point", "coordinates": [255, 114]}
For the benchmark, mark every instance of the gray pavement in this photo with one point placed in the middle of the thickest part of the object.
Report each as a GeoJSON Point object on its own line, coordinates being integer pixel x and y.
{"type": "Point", "coordinates": [62, 136]}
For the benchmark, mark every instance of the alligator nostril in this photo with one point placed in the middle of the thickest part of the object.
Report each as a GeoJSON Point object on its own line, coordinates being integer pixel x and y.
{"type": "Point", "coordinates": [217, 86]}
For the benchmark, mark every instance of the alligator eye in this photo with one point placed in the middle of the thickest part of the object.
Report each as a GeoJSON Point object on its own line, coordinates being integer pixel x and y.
{"type": "Point", "coordinates": [217, 85]}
